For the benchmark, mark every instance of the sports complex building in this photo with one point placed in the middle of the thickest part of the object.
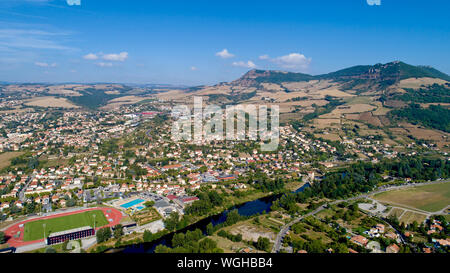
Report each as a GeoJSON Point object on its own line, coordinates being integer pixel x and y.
{"type": "Point", "coordinates": [63, 226]}
{"type": "Point", "coordinates": [72, 234]}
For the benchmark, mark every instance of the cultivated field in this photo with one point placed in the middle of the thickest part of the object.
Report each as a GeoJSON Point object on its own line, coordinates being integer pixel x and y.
{"type": "Point", "coordinates": [323, 123]}
{"type": "Point", "coordinates": [430, 198]}
{"type": "Point", "coordinates": [419, 82]}
{"type": "Point", "coordinates": [397, 212]}
{"type": "Point", "coordinates": [368, 117]}
{"type": "Point", "coordinates": [421, 133]}
{"type": "Point", "coordinates": [332, 137]}
{"type": "Point", "coordinates": [410, 217]}
{"type": "Point", "coordinates": [50, 102]}
{"type": "Point", "coordinates": [65, 90]}
{"type": "Point", "coordinates": [125, 100]}
{"type": "Point", "coordinates": [407, 216]}
{"type": "Point", "coordinates": [35, 230]}
{"type": "Point", "coordinates": [5, 158]}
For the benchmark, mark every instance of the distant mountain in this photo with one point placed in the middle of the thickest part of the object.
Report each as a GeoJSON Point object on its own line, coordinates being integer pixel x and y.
{"type": "Point", "coordinates": [394, 71]}
{"type": "Point", "coordinates": [157, 86]}
{"type": "Point", "coordinates": [434, 73]}
{"type": "Point", "coordinates": [255, 77]}
{"type": "Point", "coordinates": [385, 74]}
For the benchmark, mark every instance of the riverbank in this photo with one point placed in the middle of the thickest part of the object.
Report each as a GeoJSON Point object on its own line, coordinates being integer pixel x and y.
{"type": "Point", "coordinates": [249, 208]}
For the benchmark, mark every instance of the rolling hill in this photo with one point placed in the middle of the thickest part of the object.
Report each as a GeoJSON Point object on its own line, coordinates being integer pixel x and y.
{"type": "Point", "coordinates": [362, 95]}
{"type": "Point", "coordinates": [395, 101]}
{"type": "Point", "coordinates": [392, 72]}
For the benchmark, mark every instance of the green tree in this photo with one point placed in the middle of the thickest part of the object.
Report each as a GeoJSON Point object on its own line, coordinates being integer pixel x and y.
{"type": "Point", "coordinates": [263, 243]}
{"type": "Point", "coordinates": [232, 217]}
{"type": "Point", "coordinates": [178, 239]}
{"type": "Point", "coordinates": [71, 202]}
{"type": "Point", "coordinates": [207, 246]}
{"type": "Point", "coordinates": [103, 234]}
{"type": "Point", "coordinates": [222, 233]}
{"type": "Point", "coordinates": [2, 237]}
{"type": "Point", "coordinates": [64, 245]}
{"type": "Point", "coordinates": [162, 249]}
{"type": "Point", "coordinates": [50, 250]}
{"type": "Point", "coordinates": [118, 231]}
{"type": "Point", "coordinates": [171, 222]}
{"type": "Point", "coordinates": [209, 229]}
{"type": "Point", "coordinates": [148, 236]}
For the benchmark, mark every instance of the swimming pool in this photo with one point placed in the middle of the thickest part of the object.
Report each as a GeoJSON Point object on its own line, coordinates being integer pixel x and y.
{"type": "Point", "coordinates": [132, 203]}
{"type": "Point", "coordinates": [140, 207]}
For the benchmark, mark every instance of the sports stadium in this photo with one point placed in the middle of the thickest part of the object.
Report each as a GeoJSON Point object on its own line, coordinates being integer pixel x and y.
{"type": "Point", "coordinates": [61, 226]}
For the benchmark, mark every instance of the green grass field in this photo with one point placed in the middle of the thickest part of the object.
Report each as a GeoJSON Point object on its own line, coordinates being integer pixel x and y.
{"type": "Point", "coordinates": [430, 198]}
{"type": "Point", "coordinates": [409, 217]}
{"type": "Point", "coordinates": [396, 212]}
{"type": "Point", "coordinates": [34, 230]}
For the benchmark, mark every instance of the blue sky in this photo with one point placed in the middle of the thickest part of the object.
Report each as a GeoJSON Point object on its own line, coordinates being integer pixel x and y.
{"type": "Point", "coordinates": [205, 42]}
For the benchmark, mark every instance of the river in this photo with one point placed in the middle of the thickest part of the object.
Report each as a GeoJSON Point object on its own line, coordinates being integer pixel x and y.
{"type": "Point", "coordinates": [247, 209]}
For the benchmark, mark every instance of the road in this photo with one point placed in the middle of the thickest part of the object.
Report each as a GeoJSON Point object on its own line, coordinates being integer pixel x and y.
{"type": "Point", "coordinates": [30, 247]}
{"type": "Point", "coordinates": [285, 228]}
{"type": "Point", "coordinates": [22, 191]}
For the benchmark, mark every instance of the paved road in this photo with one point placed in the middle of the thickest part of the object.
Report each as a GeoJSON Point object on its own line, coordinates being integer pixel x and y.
{"type": "Point", "coordinates": [285, 228]}
{"type": "Point", "coordinates": [30, 247]}
{"type": "Point", "coordinates": [22, 191]}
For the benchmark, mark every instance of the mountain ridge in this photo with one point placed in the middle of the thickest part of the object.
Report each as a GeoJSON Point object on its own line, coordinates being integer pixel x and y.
{"type": "Point", "coordinates": [388, 73]}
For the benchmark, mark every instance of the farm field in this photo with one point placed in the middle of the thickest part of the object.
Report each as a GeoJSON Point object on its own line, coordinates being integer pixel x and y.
{"type": "Point", "coordinates": [125, 100]}
{"type": "Point", "coordinates": [50, 102]}
{"type": "Point", "coordinates": [409, 217]}
{"type": "Point", "coordinates": [396, 212]}
{"type": "Point", "coordinates": [419, 82]}
{"type": "Point", "coordinates": [5, 158]}
{"type": "Point", "coordinates": [430, 198]}
{"type": "Point", "coordinates": [35, 230]}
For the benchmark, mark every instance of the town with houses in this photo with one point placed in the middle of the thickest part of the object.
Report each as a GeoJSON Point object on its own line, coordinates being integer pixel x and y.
{"type": "Point", "coordinates": [224, 136]}
{"type": "Point", "coordinates": [67, 160]}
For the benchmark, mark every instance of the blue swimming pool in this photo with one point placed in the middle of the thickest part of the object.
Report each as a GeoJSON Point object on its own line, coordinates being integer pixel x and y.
{"type": "Point", "coordinates": [132, 203]}
{"type": "Point", "coordinates": [140, 207]}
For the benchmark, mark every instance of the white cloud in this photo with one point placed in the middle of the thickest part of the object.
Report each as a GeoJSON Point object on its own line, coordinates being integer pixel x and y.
{"type": "Point", "coordinates": [224, 54]}
{"type": "Point", "coordinates": [121, 57]}
{"type": "Point", "coordinates": [42, 64]}
{"type": "Point", "coordinates": [73, 2]}
{"type": "Point", "coordinates": [14, 38]}
{"type": "Point", "coordinates": [248, 64]}
{"type": "Point", "coordinates": [264, 57]}
{"type": "Point", "coordinates": [374, 2]}
{"type": "Point", "coordinates": [295, 61]}
{"type": "Point", "coordinates": [193, 68]}
{"type": "Point", "coordinates": [102, 64]}
{"type": "Point", "coordinates": [90, 56]}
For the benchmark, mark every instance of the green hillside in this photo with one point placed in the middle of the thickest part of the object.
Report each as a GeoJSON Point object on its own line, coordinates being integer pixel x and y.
{"type": "Point", "coordinates": [279, 77]}
{"type": "Point", "coordinates": [383, 74]}
{"type": "Point", "coordinates": [392, 71]}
